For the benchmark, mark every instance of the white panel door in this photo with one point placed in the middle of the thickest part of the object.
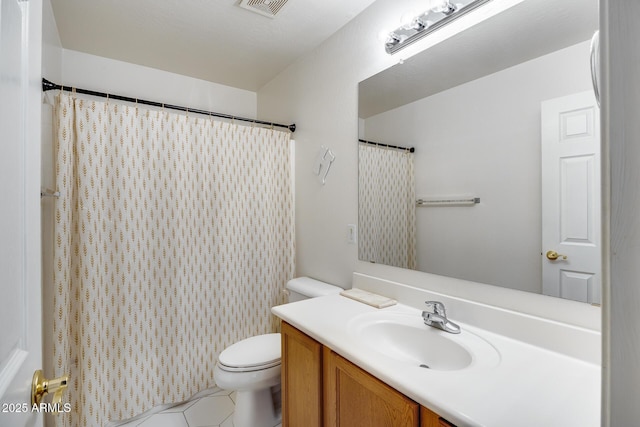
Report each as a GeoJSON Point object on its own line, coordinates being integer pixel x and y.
{"type": "Point", "coordinates": [20, 293]}
{"type": "Point", "coordinates": [571, 198]}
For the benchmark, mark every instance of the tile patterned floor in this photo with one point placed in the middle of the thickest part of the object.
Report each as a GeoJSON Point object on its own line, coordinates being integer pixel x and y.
{"type": "Point", "coordinates": [212, 410]}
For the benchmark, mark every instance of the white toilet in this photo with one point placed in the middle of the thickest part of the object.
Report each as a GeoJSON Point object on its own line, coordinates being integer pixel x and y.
{"type": "Point", "coordinates": [252, 366]}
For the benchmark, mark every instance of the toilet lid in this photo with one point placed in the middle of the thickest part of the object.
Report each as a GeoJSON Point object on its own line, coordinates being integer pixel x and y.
{"type": "Point", "coordinates": [258, 351]}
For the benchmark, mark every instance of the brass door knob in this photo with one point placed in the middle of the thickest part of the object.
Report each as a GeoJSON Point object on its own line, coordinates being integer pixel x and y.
{"type": "Point", "coordinates": [40, 387]}
{"type": "Point", "coordinates": [553, 255]}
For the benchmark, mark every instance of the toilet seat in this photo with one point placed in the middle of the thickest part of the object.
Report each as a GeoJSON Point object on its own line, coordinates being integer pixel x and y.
{"type": "Point", "coordinates": [251, 354]}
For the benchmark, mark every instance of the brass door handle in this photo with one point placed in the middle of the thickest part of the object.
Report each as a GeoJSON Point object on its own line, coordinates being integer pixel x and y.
{"type": "Point", "coordinates": [40, 387]}
{"type": "Point", "coordinates": [553, 255]}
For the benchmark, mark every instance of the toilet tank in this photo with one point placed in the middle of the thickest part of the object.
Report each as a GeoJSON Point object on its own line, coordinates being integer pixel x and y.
{"type": "Point", "coordinates": [305, 287]}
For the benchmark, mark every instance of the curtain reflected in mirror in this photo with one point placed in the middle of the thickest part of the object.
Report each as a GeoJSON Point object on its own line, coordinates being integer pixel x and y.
{"type": "Point", "coordinates": [387, 215]}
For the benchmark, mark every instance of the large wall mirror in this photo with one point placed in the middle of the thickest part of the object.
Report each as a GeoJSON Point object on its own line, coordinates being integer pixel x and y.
{"type": "Point", "coordinates": [503, 184]}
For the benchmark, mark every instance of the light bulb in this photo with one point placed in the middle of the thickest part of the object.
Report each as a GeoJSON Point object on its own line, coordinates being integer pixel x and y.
{"type": "Point", "coordinates": [386, 36]}
{"type": "Point", "coordinates": [413, 23]}
{"type": "Point", "coordinates": [445, 6]}
{"type": "Point", "coordinates": [406, 21]}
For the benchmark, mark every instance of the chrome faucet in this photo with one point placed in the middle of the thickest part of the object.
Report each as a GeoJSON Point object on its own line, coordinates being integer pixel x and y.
{"type": "Point", "coordinates": [436, 316]}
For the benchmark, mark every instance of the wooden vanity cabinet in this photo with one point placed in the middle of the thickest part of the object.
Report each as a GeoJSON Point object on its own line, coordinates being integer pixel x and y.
{"type": "Point", "coordinates": [353, 397]}
{"type": "Point", "coordinates": [321, 388]}
{"type": "Point", "coordinates": [301, 379]}
{"type": "Point", "coordinates": [431, 419]}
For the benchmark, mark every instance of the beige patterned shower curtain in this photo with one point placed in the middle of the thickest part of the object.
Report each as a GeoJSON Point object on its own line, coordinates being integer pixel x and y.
{"type": "Point", "coordinates": [174, 238]}
{"type": "Point", "coordinates": [386, 206]}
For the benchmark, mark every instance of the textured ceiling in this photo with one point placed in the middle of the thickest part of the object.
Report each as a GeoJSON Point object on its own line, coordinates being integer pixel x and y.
{"type": "Point", "coordinates": [214, 40]}
{"type": "Point", "coordinates": [527, 30]}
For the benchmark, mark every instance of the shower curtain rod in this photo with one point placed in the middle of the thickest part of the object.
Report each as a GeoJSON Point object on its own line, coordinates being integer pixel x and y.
{"type": "Point", "coordinates": [47, 85]}
{"type": "Point", "coordinates": [379, 144]}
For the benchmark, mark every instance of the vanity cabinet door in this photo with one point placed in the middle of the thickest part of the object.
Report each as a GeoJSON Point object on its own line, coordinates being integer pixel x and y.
{"type": "Point", "coordinates": [431, 419]}
{"type": "Point", "coordinates": [354, 398]}
{"type": "Point", "coordinates": [301, 379]}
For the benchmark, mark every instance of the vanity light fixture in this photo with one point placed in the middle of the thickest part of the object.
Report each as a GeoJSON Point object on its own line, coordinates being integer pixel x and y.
{"type": "Point", "coordinates": [416, 27]}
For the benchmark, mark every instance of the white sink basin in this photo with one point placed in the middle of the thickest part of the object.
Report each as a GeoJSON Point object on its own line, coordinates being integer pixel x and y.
{"type": "Point", "coordinates": [404, 338]}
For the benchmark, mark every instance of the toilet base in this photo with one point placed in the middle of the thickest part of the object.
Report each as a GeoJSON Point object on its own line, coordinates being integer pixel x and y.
{"type": "Point", "coordinates": [255, 408]}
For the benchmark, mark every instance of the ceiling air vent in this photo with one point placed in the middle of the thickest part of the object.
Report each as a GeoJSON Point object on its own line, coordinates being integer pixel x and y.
{"type": "Point", "coordinates": [264, 7]}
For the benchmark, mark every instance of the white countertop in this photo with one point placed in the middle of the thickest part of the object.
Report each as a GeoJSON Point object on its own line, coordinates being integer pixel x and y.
{"type": "Point", "coordinates": [530, 386]}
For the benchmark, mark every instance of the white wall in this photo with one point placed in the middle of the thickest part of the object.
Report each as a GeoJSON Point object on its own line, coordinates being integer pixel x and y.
{"type": "Point", "coordinates": [319, 94]}
{"type": "Point", "coordinates": [482, 138]}
{"type": "Point", "coordinates": [107, 75]}
{"type": "Point", "coordinates": [51, 46]}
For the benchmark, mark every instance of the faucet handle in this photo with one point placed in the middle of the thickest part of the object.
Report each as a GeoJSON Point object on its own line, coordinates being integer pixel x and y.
{"type": "Point", "coordinates": [436, 307]}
